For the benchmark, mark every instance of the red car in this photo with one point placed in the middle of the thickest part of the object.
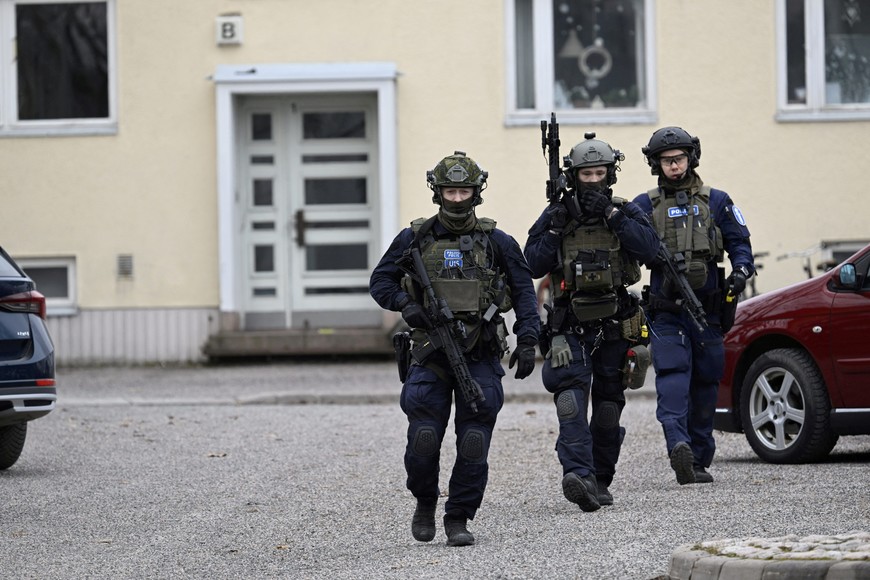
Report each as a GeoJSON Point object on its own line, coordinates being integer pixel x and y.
{"type": "Point", "coordinates": [797, 366]}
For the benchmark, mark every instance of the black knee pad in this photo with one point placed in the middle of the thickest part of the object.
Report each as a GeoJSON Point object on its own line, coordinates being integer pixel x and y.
{"type": "Point", "coordinates": [425, 441]}
{"type": "Point", "coordinates": [607, 415]}
{"type": "Point", "coordinates": [566, 404]}
{"type": "Point", "coordinates": [473, 445]}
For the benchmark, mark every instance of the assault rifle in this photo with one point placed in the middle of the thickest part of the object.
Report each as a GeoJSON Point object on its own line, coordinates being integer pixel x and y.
{"type": "Point", "coordinates": [444, 335]}
{"type": "Point", "coordinates": [557, 184]}
{"type": "Point", "coordinates": [675, 270]}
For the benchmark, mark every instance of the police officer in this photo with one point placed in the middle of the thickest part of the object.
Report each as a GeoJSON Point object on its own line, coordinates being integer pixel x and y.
{"type": "Point", "coordinates": [590, 243]}
{"type": "Point", "coordinates": [481, 273]}
{"type": "Point", "coordinates": [701, 224]}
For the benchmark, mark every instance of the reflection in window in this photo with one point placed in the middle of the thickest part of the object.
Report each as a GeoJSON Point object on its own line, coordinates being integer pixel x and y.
{"type": "Point", "coordinates": [332, 191]}
{"type": "Point", "coordinates": [847, 51]}
{"type": "Point", "coordinates": [336, 257]}
{"type": "Point", "coordinates": [796, 70]}
{"type": "Point", "coordinates": [334, 125]}
{"type": "Point", "coordinates": [597, 53]}
{"type": "Point", "coordinates": [262, 192]}
{"type": "Point", "coordinates": [62, 60]}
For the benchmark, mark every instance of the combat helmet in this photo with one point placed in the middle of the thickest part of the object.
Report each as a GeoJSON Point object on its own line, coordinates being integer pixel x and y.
{"type": "Point", "coordinates": [671, 138]}
{"type": "Point", "coordinates": [593, 152]}
{"type": "Point", "coordinates": [457, 170]}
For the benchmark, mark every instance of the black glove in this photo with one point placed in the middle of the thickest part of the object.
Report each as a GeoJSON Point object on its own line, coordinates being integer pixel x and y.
{"type": "Point", "coordinates": [524, 357]}
{"type": "Point", "coordinates": [595, 204]}
{"type": "Point", "coordinates": [415, 316]}
{"type": "Point", "coordinates": [736, 282]}
{"type": "Point", "coordinates": [558, 215]}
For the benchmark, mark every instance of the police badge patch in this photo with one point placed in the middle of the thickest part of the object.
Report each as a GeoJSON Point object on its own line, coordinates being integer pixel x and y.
{"type": "Point", "coordinates": [738, 215]}
{"type": "Point", "coordinates": [452, 258]}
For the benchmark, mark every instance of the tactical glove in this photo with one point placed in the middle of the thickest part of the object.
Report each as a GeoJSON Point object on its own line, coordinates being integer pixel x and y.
{"type": "Point", "coordinates": [558, 215]}
{"type": "Point", "coordinates": [415, 316]}
{"type": "Point", "coordinates": [595, 204]}
{"type": "Point", "coordinates": [736, 282]}
{"type": "Point", "coordinates": [560, 352]}
{"type": "Point", "coordinates": [524, 357]}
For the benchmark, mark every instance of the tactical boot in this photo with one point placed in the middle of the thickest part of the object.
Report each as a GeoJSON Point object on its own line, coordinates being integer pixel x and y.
{"type": "Point", "coordinates": [702, 476]}
{"type": "Point", "coordinates": [457, 533]}
{"type": "Point", "coordinates": [581, 490]}
{"type": "Point", "coordinates": [681, 462]}
{"type": "Point", "coordinates": [604, 495]}
{"type": "Point", "coordinates": [423, 523]}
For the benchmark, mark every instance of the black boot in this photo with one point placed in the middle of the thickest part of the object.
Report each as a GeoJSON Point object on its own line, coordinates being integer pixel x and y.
{"type": "Point", "coordinates": [457, 533]}
{"type": "Point", "coordinates": [682, 463]}
{"type": "Point", "coordinates": [581, 490]}
{"type": "Point", "coordinates": [702, 475]}
{"type": "Point", "coordinates": [423, 523]}
{"type": "Point", "coordinates": [604, 495]}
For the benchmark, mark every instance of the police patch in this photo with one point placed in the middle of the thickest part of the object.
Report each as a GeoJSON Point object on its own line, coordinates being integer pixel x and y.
{"type": "Point", "coordinates": [678, 212]}
{"type": "Point", "coordinates": [738, 215]}
{"type": "Point", "coordinates": [453, 258]}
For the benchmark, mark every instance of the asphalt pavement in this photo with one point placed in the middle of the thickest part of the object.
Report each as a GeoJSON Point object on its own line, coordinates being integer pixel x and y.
{"type": "Point", "coordinates": [294, 470]}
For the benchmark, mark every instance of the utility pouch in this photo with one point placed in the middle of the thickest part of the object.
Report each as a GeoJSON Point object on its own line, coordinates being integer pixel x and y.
{"type": "Point", "coordinates": [696, 274]}
{"type": "Point", "coordinates": [634, 328]}
{"type": "Point", "coordinates": [594, 306]}
{"type": "Point", "coordinates": [592, 270]}
{"type": "Point", "coordinates": [402, 347]}
{"type": "Point", "coordinates": [460, 295]}
{"type": "Point", "coordinates": [637, 360]}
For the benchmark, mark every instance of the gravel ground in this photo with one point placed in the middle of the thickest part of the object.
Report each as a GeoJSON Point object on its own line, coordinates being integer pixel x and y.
{"type": "Point", "coordinates": [136, 476]}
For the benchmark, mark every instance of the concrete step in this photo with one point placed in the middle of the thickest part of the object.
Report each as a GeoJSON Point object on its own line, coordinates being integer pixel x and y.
{"type": "Point", "coordinates": [297, 342]}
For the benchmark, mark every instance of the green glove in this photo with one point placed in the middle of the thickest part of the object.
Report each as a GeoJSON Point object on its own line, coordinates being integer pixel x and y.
{"type": "Point", "coordinates": [560, 352]}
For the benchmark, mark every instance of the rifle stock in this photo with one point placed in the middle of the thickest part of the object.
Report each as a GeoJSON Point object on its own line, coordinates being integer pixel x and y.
{"type": "Point", "coordinates": [443, 335]}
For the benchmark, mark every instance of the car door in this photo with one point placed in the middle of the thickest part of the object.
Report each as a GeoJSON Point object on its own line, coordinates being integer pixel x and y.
{"type": "Point", "coordinates": [850, 348]}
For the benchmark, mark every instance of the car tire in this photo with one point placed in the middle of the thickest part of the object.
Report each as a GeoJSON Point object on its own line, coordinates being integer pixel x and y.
{"type": "Point", "coordinates": [11, 443]}
{"type": "Point", "coordinates": [785, 409]}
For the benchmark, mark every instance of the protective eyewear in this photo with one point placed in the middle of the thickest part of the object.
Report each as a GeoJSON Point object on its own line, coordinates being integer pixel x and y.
{"type": "Point", "coordinates": [675, 159]}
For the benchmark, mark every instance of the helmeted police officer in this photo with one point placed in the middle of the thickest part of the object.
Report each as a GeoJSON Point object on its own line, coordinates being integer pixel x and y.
{"type": "Point", "coordinates": [590, 244]}
{"type": "Point", "coordinates": [702, 224]}
{"type": "Point", "coordinates": [480, 272]}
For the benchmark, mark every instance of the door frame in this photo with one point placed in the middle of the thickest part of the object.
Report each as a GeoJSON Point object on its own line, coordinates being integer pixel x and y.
{"type": "Point", "coordinates": [288, 79]}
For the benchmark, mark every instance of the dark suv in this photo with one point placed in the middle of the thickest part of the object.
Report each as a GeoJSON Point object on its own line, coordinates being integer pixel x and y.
{"type": "Point", "coordinates": [27, 388]}
{"type": "Point", "coordinates": [797, 365]}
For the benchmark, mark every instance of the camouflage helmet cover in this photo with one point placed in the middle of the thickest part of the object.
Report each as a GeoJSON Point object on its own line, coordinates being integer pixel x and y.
{"type": "Point", "coordinates": [457, 170]}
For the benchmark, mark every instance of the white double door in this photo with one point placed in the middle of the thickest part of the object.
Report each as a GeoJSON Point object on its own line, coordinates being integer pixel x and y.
{"type": "Point", "coordinates": [307, 202]}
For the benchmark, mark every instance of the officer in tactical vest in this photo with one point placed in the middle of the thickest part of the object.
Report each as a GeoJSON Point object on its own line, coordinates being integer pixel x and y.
{"type": "Point", "coordinates": [700, 224]}
{"type": "Point", "coordinates": [590, 243]}
{"type": "Point", "coordinates": [479, 272]}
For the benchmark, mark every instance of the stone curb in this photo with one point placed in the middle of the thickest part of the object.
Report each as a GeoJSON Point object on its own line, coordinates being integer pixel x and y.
{"type": "Point", "coordinates": [839, 557]}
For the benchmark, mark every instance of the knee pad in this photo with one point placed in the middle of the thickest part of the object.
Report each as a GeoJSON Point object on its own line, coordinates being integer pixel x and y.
{"type": "Point", "coordinates": [566, 404]}
{"type": "Point", "coordinates": [425, 442]}
{"type": "Point", "coordinates": [473, 445]}
{"type": "Point", "coordinates": [607, 415]}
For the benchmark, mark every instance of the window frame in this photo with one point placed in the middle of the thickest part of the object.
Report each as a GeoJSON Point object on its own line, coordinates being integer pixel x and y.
{"type": "Point", "coordinates": [815, 109]}
{"type": "Point", "coordinates": [542, 41]}
{"type": "Point", "coordinates": [55, 306]}
{"type": "Point", "coordinates": [10, 124]}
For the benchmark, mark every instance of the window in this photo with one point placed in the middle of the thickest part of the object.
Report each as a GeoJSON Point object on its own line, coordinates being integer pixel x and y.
{"type": "Point", "coordinates": [824, 59]}
{"type": "Point", "coordinates": [58, 67]}
{"type": "Point", "coordinates": [56, 279]}
{"type": "Point", "coordinates": [587, 60]}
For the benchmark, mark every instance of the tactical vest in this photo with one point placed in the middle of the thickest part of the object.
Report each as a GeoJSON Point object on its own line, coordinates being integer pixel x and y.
{"type": "Point", "coordinates": [465, 272]}
{"type": "Point", "coordinates": [690, 230]}
{"type": "Point", "coordinates": [594, 264]}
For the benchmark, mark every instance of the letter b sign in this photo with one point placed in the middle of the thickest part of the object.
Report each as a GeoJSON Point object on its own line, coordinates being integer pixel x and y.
{"type": "Point", "coordinates": [229, 29]}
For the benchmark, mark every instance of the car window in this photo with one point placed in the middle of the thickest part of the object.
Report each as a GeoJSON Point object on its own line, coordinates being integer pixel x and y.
{"type": "Point", "coordinates": [7, 269]}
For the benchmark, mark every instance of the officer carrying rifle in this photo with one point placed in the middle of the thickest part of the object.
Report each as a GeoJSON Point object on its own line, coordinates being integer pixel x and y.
{"type": "Point", "coordinates": [590, 244]}
{"type": "Point", "coordinates": [452, 276]}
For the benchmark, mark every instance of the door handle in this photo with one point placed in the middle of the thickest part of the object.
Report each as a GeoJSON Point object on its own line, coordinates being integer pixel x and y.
{"type": "Point", "coordinates": [301, 224]}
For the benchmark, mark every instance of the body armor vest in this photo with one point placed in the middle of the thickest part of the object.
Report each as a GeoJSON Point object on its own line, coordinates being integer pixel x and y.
{"type": "Point", "coordinates": [593, 266]}
{"type": "Point", "coordinates": [690, 230]}
{"type": "Point", "coordinates": [465, 272]}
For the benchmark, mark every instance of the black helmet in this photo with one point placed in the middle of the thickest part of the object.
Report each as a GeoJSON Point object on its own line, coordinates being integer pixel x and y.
{"type": "Point", "coordinates": [593, 153]}
{"type": "Point", "coordinates": [457, 170]}
{"type": "Point", "coordinates": [671, 138]}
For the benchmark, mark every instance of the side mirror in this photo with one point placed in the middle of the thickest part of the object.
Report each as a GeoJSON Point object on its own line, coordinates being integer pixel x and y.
{"type": "Point", "coordinates": [847, 276]}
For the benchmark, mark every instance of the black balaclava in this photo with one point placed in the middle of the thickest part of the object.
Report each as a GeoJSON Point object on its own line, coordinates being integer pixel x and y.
{"type": "Point", "coordinates": [457, 216]}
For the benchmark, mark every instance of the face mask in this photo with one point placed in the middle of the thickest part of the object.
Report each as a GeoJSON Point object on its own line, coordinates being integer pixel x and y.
{"type": "Point", "coordinates": [596, 187]}
{"type": "Point", "coordinates": [457, 216]}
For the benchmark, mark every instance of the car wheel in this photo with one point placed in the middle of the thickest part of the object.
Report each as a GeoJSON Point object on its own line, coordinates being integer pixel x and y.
{"type": "Point", "coordinates": [11, 443]}
{"type": "Point", "coordinates": [784, 408]}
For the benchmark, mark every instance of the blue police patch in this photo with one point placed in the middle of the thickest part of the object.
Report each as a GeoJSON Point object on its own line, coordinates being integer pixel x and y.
{"type": "Point", "coordinates": [453, 258]}
{"type": "Point", "coordinates": [678, 212]}
{"type": "Point", "coordinates": [738, 215]}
